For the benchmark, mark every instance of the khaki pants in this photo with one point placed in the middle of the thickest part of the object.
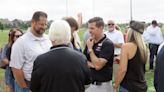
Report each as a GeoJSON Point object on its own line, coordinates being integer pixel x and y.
{"type": "Point", "coordinates": [115, 70]}
{"type": "Point", "coordinates": [104, 87]}
{"type": "Point", "coordinates": [115, 66]}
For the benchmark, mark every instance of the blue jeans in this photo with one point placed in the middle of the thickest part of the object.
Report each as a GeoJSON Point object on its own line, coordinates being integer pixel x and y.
{"type": "Point", "coordinates": [19, 89]}
{"type": "Point", "coordinates": [121, 89]}
{"type": "Point", "coordinates": [9, 79]}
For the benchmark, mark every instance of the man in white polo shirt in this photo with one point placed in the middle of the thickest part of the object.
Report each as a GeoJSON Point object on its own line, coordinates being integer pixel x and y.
{"type": "Point", "coordinates": [26, 49]}
{"type": "Point", "coordinates": [117, 38]}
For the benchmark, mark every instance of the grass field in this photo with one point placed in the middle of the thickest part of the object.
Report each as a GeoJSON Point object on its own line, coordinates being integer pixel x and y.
{"type": "Point", "coordinates": [3, 39]}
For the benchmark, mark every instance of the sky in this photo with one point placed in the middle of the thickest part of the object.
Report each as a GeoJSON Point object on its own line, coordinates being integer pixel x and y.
{"type": "Point", "coordinates": [117, 10]}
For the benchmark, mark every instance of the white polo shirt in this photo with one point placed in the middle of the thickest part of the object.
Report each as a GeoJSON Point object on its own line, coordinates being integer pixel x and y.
{"type": "Point", "coordinates": [26, 49]}
{"type": "Point", "coordinates": [116, 37]}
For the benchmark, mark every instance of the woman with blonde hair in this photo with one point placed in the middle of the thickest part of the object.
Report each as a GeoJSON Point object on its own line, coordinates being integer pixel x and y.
{"type": "Point", "coordinates": [130, 76]}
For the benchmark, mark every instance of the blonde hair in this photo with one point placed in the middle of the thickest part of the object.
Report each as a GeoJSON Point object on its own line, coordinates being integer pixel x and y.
{"type": "Point", "coordinates": [60, 32]}
{"type": "Point", "coordinates": [136, 37]}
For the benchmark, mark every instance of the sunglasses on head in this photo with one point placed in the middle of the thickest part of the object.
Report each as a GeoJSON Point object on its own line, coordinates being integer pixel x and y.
{"type": "Point", "coordinates": [110, 24]}
{"type": "Point", "coordinates": [17, 36]}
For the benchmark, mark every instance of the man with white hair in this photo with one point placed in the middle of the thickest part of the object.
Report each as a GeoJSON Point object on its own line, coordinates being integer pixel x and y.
{"type": "Point", "coordinates": [62, 69]}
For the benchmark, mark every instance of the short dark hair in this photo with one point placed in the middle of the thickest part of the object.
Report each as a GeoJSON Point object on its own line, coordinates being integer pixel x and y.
{"type": "Point", "coordinates": [154, 22]}
{"type": "Point", "coordinates": [72, 22]}
{"type": "Point", "coordinates": [37, 15]}
{"type": "Point", "coordinates": [98, 20]}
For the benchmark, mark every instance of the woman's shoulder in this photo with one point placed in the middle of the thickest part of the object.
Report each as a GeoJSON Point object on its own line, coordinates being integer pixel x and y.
{"type": "Point", "coordinates": [130, 48]}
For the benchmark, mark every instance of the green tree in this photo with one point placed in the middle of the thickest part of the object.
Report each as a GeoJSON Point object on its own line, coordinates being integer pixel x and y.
{"type": "Point", "coordinates": [1, 26]}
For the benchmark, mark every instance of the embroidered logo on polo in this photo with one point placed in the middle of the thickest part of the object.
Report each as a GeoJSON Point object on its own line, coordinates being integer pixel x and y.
{"type": "Point", "coordinates": [98, 48]}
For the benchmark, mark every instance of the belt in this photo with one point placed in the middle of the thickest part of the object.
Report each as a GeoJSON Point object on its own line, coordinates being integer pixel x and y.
{"type": "Point", "coordinates": [98, 83]}
{"type": "Point", "coordinates": [116, 55]}
{"type": "Point", "coordinates": [117, 59]}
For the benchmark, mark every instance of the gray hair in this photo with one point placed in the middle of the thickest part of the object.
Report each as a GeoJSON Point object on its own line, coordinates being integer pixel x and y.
{"type": "Point", "coordinates": [60, 32]}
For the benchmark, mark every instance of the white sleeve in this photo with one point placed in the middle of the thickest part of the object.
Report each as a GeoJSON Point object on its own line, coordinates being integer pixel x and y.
{"type": "Point", "coordinates": [160, 36]}
{"type": "Point", "coordinates": [146, 36]}
{"type": "Point", "coordinates": [17, 54]}
{"type": "Point", "coordinates": [120, 37]}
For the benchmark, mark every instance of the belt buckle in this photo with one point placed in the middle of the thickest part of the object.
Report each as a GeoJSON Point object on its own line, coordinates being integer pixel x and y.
{"type": "Point", "coordinates": [97, 83]}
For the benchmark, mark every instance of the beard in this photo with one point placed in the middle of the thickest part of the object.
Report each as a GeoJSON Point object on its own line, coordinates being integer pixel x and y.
{"type": "Point", "coordinates": [40, 31]}
{"type": "Point", "coordinates": [111, 29]}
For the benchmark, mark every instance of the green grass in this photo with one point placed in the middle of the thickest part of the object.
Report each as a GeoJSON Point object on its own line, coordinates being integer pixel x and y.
{"type": "Point", "coordinates": [2, 81]}
{"type": "Point", "coordinates": [3, 39]}
{"type": "Point", "coordinates": [150, 79]}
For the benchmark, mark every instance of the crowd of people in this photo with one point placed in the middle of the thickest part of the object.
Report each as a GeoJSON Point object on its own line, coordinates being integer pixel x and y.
{"type": "Point", "coordinates": [110, 62]}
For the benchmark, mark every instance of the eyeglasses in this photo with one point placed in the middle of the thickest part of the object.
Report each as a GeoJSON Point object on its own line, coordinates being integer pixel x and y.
{"type": "Point", "coordinates": [110, 24]}
{"type": "Point", "coordinates": [17, 36]}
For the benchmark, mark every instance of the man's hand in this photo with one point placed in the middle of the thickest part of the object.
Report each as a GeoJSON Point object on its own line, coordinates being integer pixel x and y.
{"type": "Point", "coordinates": [80, 18]}
{"type": "Point", "coordinates": [90, 65]}
{"type": "Point", "coordinates": [79, 15]}
{"type": "Point", "coordinates": [19, 77]}
{"type": "Point", "coordinates": [115, 89]}
{"type": "Point", "coordinates": [90, 43]}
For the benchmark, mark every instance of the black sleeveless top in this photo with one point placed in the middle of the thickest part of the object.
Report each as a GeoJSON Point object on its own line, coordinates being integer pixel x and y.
{"type": "Point", "coordinates": [134, 80]}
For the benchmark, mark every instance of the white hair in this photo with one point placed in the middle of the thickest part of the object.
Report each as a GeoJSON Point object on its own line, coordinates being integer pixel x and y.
{"type": "Point", "coordinates": [60, 32]}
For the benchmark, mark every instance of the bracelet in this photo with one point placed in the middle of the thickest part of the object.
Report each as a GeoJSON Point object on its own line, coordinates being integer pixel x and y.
{"type": "Point", "coordinates": [115, 86]}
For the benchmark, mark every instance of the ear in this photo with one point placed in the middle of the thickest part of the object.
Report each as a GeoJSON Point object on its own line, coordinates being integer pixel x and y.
{"type": "Point", "coordinates": [53, 42]}
{"type": "Point", "coordinates": [33, 22]}
{"type": "Point", "coordinates": [101, 28]}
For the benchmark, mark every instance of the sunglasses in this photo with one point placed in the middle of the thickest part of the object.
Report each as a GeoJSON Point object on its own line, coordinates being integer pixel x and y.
{"type": "Point", "coordinates": [110, 24]}
{"type": "Point", "coordinates": [17, 36]}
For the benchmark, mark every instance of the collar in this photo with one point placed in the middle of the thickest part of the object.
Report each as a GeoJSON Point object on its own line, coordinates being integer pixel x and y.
{"type": "Point", "coordinates": [59, 46]}
{"type": "Point", "coordinates": [112, 31]}
{"type": "Point", "coordinates": [101, 40]}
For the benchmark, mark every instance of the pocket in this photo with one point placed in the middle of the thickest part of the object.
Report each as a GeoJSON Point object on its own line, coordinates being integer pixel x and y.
{"type": "Point", "coordinates": [122, 89]}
